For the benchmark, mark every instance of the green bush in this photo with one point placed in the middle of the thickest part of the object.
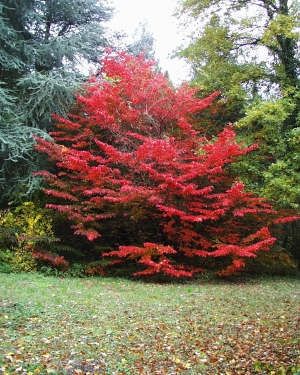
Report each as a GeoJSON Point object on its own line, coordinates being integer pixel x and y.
{"type": "Point", "coordinates": [75, 270]}
{"type": "Point", "coordinates": [6, 258]}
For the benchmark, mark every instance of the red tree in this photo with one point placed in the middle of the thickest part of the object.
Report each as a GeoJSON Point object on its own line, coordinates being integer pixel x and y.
{"type": "Point", "coordinates": [130, 150]}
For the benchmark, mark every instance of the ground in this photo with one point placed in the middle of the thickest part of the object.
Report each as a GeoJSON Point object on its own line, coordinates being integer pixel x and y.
{"type": "Point", "coordinates": [115, 326]}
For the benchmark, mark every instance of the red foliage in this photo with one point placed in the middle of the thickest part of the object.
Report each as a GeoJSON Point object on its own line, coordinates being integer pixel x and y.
{"type": "Point", "coordinates": [131, 142]}
{"type": "Point", "coordinates": [54, 260]}
{"type": "Point", "coordinates": [97, 270]}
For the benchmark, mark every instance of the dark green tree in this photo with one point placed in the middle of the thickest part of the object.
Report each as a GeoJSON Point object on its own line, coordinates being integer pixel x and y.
{"type": "Point", "coordinates": [43, 43]}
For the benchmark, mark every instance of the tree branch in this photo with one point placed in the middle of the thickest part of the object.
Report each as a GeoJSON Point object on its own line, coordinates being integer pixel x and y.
{"type": "Point", "coordinates": [47, 32]}
{"type": "Point", "coordinates": [64, 29]}
{"type": "Point", "coordinates": [253, 42]}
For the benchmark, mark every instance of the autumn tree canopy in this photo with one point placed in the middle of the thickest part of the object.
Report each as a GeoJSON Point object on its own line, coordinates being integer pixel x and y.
{"type": "Point", "coordinates": [129, 156]}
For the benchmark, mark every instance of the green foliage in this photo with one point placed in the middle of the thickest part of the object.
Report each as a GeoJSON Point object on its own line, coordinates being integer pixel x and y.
{"type": "Point", "coordinates": [254, 61]}
{"type": "Point", "coordinates": [18, 161]}
{"type": "Point", "coordinates": [42, 44]}
{"type": "Point", "coordinates": [282, 24]}
{"type": "Point", "coordinates": [6, 260]}
{"type": "Point", "coordinates": [23, 261]}
{"type": "Point", "coordinates": [17, 260]}
{"type": "Point", "coordinates": [273, 170]}
{"type": "Point", "coordinates": [23, 229]}
{"type": "Point", "coordinates": [244, 56]}
{"type": "Point", "coordinates": [217, 65]}
{"type": "Point", "coordinates": [29, 222]}
{"type": "Point", "coordinates": [75, 270]}
{"type": "Point", "coordinates": [282, 182]}
{"type": "Point", "coordinates": [34, 239]}
{"type": "Point", "coordinates": [42, 94]}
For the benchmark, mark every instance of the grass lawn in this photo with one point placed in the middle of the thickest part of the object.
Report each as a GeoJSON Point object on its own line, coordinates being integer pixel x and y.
{"type": "Point", "coordinates": [114, 326]}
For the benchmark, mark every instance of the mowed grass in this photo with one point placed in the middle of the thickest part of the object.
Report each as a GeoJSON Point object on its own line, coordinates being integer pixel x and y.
{"type": "Point", "coordinates": [115, 326]}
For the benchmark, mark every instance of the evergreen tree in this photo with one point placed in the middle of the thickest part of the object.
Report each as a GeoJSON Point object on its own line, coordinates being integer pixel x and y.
{"type": "Point", "coordinates": [42, 44]}
{"type": "Point", "coordinates": [140, 42]}
{"type": "Point", "coordinates": [143, 43]}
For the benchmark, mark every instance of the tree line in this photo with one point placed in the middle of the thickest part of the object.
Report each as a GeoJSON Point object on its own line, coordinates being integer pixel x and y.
{"type": "Point", "coordinates": [245, 52]}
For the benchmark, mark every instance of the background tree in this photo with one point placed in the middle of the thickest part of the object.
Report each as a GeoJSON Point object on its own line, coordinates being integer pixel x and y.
{"type": "Point", "coordinates": [248, 50]}
{"type": "Point", "coordinates": [42, 43]}
{"type": "Point", "coordinates": [143, 43]}
{"type": "Point", "coordinates": [244, 47]}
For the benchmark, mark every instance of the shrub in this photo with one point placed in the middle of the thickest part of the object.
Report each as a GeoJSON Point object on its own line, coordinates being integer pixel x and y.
{"type": "Point", "coordinates": [74, 270]}
{"type": "Point", "coordinates": [25, 230]}
{"type": "Point", "coordinates": [128, 158]}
